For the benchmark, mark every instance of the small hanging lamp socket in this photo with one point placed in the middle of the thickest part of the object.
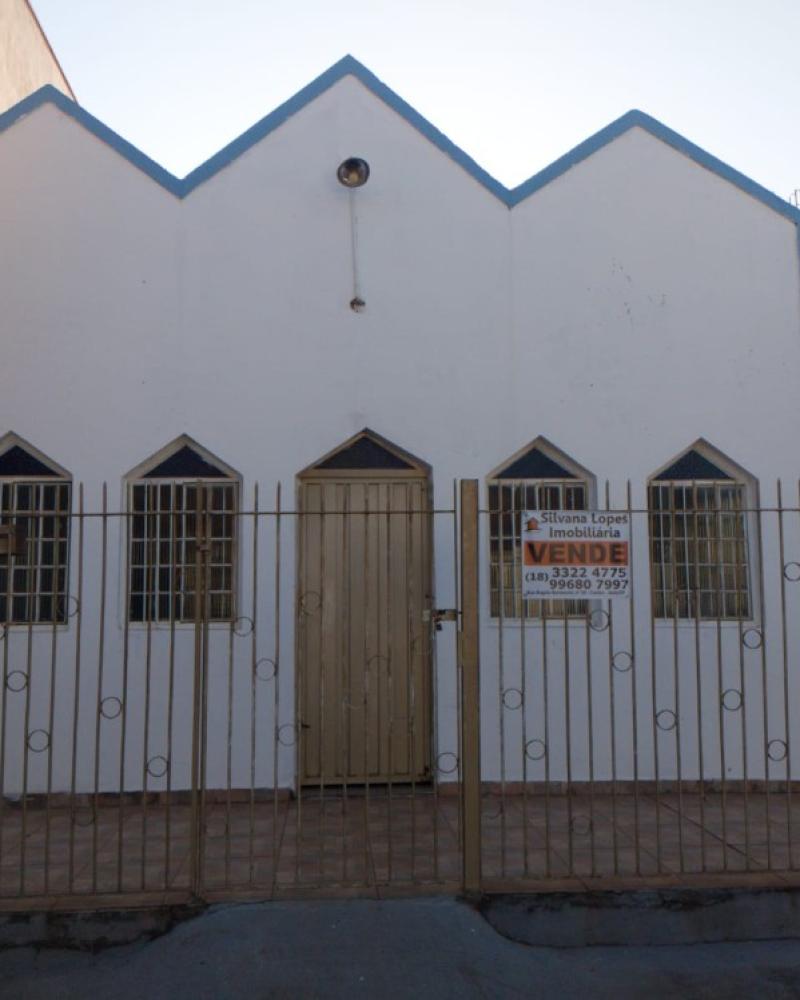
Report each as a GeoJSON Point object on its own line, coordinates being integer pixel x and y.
{"type": "Point", "coordinates": [353, 172]}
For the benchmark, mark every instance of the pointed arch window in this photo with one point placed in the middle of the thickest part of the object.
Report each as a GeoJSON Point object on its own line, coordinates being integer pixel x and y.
{"type": "Point", "coordinates": [183, 504]}
{"type": "Point", "coordinates": [699, 537]}
{"type": "Point", "coordinates": [35, 504]}
{"type": "Point", "coordinates": [539, 477]}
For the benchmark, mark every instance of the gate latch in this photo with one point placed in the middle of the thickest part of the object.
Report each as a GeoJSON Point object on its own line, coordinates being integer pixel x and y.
{"type": "Point", "coordinates": [444, 615]}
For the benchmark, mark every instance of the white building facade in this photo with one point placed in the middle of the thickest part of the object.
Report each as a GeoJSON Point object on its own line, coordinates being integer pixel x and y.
{"type": "Point", "coordinates": [635, 303]}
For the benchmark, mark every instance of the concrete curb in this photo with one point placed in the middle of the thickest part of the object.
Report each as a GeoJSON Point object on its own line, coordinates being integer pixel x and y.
{"type": "Point", "coordinates": [91, 930]}
{"type": "Point", "coordinates": [649, 917]}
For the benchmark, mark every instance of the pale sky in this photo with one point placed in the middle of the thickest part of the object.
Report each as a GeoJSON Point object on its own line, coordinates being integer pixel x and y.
{"type": "Point", "coordinates": [515, 83]}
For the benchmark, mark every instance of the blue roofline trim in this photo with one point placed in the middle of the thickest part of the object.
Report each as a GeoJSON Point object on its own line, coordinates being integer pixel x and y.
{"type": "Point", "coordinates": [350, 66]}
{"type": "Point", "coordinates": [638, 119]}
{"type": "Point", "coordinates": [51, 95]}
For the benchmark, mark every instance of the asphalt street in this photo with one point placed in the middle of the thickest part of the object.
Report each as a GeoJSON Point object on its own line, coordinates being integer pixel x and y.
{"type": "Point", "coordinates": [440, 948]}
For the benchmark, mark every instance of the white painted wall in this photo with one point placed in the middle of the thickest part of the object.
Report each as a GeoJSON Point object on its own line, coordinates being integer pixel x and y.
{"type": "Point", "coordinates": [634, 304]}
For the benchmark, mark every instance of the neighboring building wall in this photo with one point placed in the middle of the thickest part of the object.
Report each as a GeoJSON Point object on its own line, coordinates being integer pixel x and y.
{"type": "Point", "coordinates": [634, 304]}
{"type": "Point", "coordinates": [26, 60]}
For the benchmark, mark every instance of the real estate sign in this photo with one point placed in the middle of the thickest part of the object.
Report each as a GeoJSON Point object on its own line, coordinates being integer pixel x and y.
{"type": "Point", "coordinates": [575, 553]}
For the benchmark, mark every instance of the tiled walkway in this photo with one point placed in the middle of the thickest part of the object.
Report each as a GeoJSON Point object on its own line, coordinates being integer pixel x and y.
{"type": "Point", "coordinates": [331, 842]}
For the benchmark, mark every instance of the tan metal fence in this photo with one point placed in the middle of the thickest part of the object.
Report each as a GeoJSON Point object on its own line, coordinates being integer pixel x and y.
{"type": "Point", "coordinates": [203, 698]}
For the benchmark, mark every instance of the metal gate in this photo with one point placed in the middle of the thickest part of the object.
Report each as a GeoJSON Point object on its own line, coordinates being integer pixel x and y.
{"type": "Point", "coordinates": [156, 739]}
{"type": "Point", "coordinates": [158, 743]}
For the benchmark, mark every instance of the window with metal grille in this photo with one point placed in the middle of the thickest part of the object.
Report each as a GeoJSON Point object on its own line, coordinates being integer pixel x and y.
{"type": "Point", "coordinates": [699, 542]}
{"type": "Point", "coordinates": [183, 506]}
{"type": "Point", "coordinates": [35, 503]}
{"type": "Point", "coordinates": [167, 523]}
{"type": "Point", "coordinates": [539, 478]}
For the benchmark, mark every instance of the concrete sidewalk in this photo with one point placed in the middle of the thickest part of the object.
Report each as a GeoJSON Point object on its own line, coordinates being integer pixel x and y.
{"type": "Point", "coordinates": [417, 948]}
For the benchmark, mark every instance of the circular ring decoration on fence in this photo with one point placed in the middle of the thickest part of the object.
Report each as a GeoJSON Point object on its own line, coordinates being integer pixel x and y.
{"type": "Point", "coordinates": [157, 766]}
{"type": "Point", "coordinates": [17, 685]}
{"type": "Point", "coordinates": [84, 817]}
{"type": "Point", "coordinates": [72, 608]}
{"type": "Point", "coordinates": [752, 638]}
{"type": "Point", "coordinates": [582, 825]}
{"type": "Point", "coordinates": [38, 740]}
{"type": "Point", "coordinates": [113, 709]}
{"type": "Point", "coordinates": [666, 720]}
{"type": "Point", "coordinates": [292, 727]}
{"type": "Point", "coordinates": [265, 669]}
{"type": "Point", "coordinates": [242, 625]}
{"type": "Point", "coordinates": [792, 571]}
{"type": "Point", "coordinates": [535, 749]}
{"type": "Point", "coordinates": [512, 699]}
{"type": "Point", "coordinates": [599, 620]}
{"type": "Point", "coordinates": [310, 602]}
{"type": "Point", "coordinates": [732, 699]}
{"type": "Point", "coordinates": [445, 758]}
{"type": "Point", "coordinates": [622, 661]}
{"type": "Point", "coordinates": [777, 750]}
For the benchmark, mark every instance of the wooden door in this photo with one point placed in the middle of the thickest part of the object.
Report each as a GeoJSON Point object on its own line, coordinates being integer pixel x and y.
{"type": "Point", "coordinates": [363, 627]}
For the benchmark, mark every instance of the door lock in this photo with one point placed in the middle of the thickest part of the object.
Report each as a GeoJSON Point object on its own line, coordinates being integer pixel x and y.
{"type": "Point", "coordinates": [444, 615]}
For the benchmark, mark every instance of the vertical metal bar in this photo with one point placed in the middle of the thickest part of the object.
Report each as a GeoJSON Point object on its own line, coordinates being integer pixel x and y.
{"type": "Point", "coordinates": [634, 694]}
{"type": "Point", "coordinates": [410, 689]}
{"type": "Point", "coordinates": [764, 691]}
{"type": "Point", "coordinates": [53, 664]}
{"type": "Point", "coordinates": [197, 819]}
{"type": "Point", "coordinates": [470, 672]}
{"type": "Point", "coordinates": [568, 738]}
{"type": "Point", "coordinates": [276, 657]}
{"type": "Point", "coordinates": [6, 638]}
{"type": "Point", "coordinates": [745, 763]}
{"type": "Point", "coordinates": [612, 696]}
{"type": "Point", "coordinates": [785, 657]}
{"type": "Point", "coordinates": [124, 714]}
{"type": "Point", "coordinates": [152, 592]}
{"type": "Point", "coordinates": [76, 690]}
{"type": "Point", "coordinates": [344, 670]}
{"type": "Point", "coordinates": [651, 515]}
{"type": "Point", "coordinates": [389, 672]}
{"type": "Point", "coordinates": [253, 712]}
{"type": "Point", "coordinates": [590, 739]}
{"type": "Point", "coordinates": [698, 680]}
{"type": "Point", "coordinates": [229, 755]}
{"type": "Point", "coordinates": [721, 724]}
{"type": "Point", "coordinates": [100, 668]}
{"type": "Point", "coordinates": [174, 521]}
{"type": "Point", "coordinates": [365, 658]}
{"type": "Point", "coordinates": [323, 650]}
{"type": "Point", "coordinates": [523, 614]}
{"type": "Point", "coordinates": [501, 664]}
{"type": "Point", "coordinates": [29, 670]}
{"type": "Point", "coordinates": [204, 591]}
{"type": "Point", "coordinates": [676, 670]}
{"type": "Point", "coordinates": [302, 650]}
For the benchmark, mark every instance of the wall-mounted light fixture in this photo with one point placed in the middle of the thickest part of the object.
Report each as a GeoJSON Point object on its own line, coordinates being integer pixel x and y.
{"type": "Point", "coordinates": [354, 173]}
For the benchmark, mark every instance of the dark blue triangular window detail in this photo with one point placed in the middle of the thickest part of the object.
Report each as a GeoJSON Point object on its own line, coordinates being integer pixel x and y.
{"type": "Point", "coordinates": [364, 454]}
{"type": "Point", "coordinates": [18, 462]}
{"type": "Point", "coordinates": [534, 464]}
{"type": "Point", "coordinates": [185, 463]}
{"type": "Point", "coordinates": [693, 465]}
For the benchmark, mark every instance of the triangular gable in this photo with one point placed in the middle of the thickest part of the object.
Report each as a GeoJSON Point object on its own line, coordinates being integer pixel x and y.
{"type": "Point", "coordinates": [183, 458]}
{"type": "Point", "coordinates": [367, 451]}
{"type": "Point", "coordinates": [701, 461]}
{"type": "Point", "coordinates": [21, 460]}
{"type": "Point", "coordinates": [540, 460]}
{"type": "Point", "coordinates": [348, 66]}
